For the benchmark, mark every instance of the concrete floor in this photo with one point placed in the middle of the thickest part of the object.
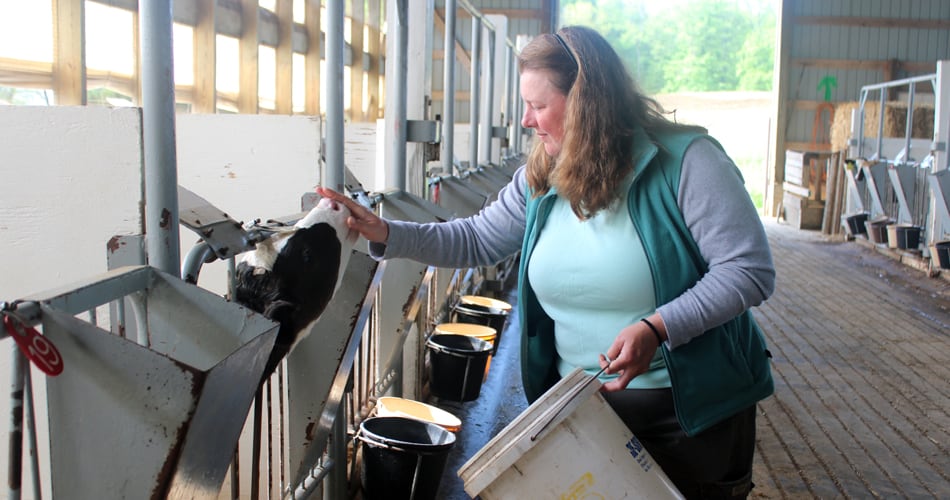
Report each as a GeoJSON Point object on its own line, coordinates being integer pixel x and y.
{"type": "Point", "coordinates": [861, 347]}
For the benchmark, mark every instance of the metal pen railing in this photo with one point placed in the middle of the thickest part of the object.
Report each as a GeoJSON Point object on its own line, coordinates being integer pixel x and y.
{"type": "Point", "coordinates": [362, 375]}
{"type": "Point", "coordinates": [901, 168]}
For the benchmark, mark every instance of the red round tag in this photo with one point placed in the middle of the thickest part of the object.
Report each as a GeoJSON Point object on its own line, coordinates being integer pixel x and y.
{"type": "Point", "coordinates": [34, 346]}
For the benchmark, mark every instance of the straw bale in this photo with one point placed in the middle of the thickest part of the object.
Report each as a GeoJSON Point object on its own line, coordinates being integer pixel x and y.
{"type": "Point", "coordinates": [841, 125]}
{"type": "Point", "coordinates": [895, 120]}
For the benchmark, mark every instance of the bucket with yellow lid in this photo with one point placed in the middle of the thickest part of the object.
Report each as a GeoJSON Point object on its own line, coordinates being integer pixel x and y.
{"type": "Point", "coordinates": [481, 332]}
{"type": "Point", "coordinates": [485, 311]}
{"type": "Point", "coordinates": [388, 406]}
{"type": "Point", "coordinates": [457, 366]}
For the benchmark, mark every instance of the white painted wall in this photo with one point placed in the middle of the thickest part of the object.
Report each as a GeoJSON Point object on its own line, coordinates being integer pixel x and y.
{"type": "Point", "coordinates": [71, 179]}
{"type": "Point", "coordinates": [363, 150]}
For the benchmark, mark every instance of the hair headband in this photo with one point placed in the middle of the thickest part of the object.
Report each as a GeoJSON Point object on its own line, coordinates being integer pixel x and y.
{"type": "Point", "coordinates": [566, 48]}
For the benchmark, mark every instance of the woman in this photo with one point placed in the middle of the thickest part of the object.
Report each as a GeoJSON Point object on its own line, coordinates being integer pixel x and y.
{"type": "Point", "coordinates": [638, 241]}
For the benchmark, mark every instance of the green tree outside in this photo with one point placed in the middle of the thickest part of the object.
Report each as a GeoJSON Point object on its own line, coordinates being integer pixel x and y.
{"type": "Point", "coordinates": [686, 45]}
{"type": "Point", "coordinates": [757, 56]}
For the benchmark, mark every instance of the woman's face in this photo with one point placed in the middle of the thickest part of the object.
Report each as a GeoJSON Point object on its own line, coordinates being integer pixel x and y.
{"type": "Point", "coordinates": [544, 109]}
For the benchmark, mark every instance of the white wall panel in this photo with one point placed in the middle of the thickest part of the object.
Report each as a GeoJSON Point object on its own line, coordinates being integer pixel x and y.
{"type": "Point", "coordinates": [72, 179]}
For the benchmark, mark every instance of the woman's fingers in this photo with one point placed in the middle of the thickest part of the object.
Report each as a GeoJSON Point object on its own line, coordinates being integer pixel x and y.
{"type": "Point", "coordinates": [353, 206]}
{"type": "Point", "coordinates": [631, 353]}
{"type": "Point", "coordinates": [361, 219]}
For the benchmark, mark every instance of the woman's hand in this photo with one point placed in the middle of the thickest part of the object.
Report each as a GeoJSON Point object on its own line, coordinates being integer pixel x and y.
{"type": "Point", "coordinates": [361, 219]}
{"type": "Point", "coordinates": [632, 352]}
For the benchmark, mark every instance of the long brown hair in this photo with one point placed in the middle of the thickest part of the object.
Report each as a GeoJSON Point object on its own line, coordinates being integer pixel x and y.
{"type": "Point", "coordinates": [604, 108]}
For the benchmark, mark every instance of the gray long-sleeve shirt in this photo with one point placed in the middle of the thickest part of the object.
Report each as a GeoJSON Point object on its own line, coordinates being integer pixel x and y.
{"type": "Point", "coordinates": [715, 205]}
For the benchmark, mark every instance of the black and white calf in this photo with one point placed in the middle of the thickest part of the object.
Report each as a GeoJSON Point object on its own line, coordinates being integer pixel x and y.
{"type": "Point", "coordinates": [291, 276]}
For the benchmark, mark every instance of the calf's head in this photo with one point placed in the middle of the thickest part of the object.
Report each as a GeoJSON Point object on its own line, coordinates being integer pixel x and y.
{"type": "Point", "coordinates": [291, 276]}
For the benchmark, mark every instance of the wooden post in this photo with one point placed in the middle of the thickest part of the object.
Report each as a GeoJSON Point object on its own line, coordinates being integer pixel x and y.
{"type": "Point", "coordinates": [205, 58]}
{"type": "Point", "coordinates": [248, 101]}
{"type": "Point", "coordinates": [284, 55]}
{"type": "Point", "coordinates": [69, 45]}
{"type": "Point", "coordinates": [356, 66]}
{"type": "Point", "coordinates": [373, 47]}
{"type": "Point", "coordinates": [313, 57]}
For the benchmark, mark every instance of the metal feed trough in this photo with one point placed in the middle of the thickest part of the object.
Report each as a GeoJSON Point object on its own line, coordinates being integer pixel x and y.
{"type": "Point", "coordinates": [157, 420]}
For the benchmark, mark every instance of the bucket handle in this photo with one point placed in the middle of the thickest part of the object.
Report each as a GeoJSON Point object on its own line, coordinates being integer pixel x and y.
{"type": "Point", "coordinates": [359, 437]}
{"type": "Point", "coordinates": [416, 469]}
{"type": "Point", "coordinates": [453, 353]}
{"type": "Point", "coordinates": [570, 398]}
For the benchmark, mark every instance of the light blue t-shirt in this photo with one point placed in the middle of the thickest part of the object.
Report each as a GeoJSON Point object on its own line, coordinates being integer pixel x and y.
{"type": "Point", "coordinates": [592, 278]}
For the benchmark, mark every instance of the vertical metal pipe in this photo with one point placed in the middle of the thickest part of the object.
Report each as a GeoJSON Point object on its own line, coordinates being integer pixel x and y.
{"type": "Point", "coordinates": [419, 43]}
{"type": "Point", "coordinates": [489, 112]}
{"type": "Point", "coordinates": [880, 123]}
{"type": "Point", "coordinates": [256, 432]}
{"type": "Point", "coordinates": [336, 481]}
{"type": "Point", "coordinates": [15, 443]}
{"type": "Point", "coordinates": [475, 90]}
{"type": "Point", "coordinates": [397, 71]}
{"type": "Point", "coordinates": [909, 128]}
{"type": "Point", "coordinates": [860, 122]}
{"type": "Point", "coordinates": [158, 136]}
{"type": "Point", "coordinates": [29, 417]}
{"type": "Point", "coordinates": [333, 176]}
{"type": "Point", "coordinates": [519, 132]}
{"type": "Point", "coordinates": [509, 96]}
{"type": "Point", "coordinates": [120, 318]}
{"type": "Point", "coordinates": [448, 89]}
{"type": "Point", "coordinates": [941, 85]}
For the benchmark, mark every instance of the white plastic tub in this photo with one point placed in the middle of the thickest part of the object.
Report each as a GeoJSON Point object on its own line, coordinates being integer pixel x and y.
{"type": "Point", "coordinates": [568, 444]}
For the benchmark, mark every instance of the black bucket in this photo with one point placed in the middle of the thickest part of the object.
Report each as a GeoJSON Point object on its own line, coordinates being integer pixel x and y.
{"type": "Point", "coordinates": [457, 366]}
{"type": "Point", "coordinates": [494, 317]}
{"type": "Point", "coordinates": [856, 223]}
{"type": "Point", "coordinates": [943, 254]}
{"type": "Point", "coordinates": [908, 237]}
{"type": "Point", "coordinates": [403, 457]}
{"type": "Point", "coordinates": [877, 230]}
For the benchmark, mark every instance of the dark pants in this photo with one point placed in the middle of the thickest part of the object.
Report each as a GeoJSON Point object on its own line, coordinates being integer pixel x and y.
{"type": "Point", "coordinates": [716, 463]}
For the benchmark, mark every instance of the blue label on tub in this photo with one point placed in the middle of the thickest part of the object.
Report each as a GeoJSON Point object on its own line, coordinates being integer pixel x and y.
{"type": "Point", "coordinates": [639, 454]}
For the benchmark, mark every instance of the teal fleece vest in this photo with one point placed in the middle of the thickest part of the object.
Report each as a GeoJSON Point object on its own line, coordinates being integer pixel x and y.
{"type": "Point", "coordinates": [713, 376]}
